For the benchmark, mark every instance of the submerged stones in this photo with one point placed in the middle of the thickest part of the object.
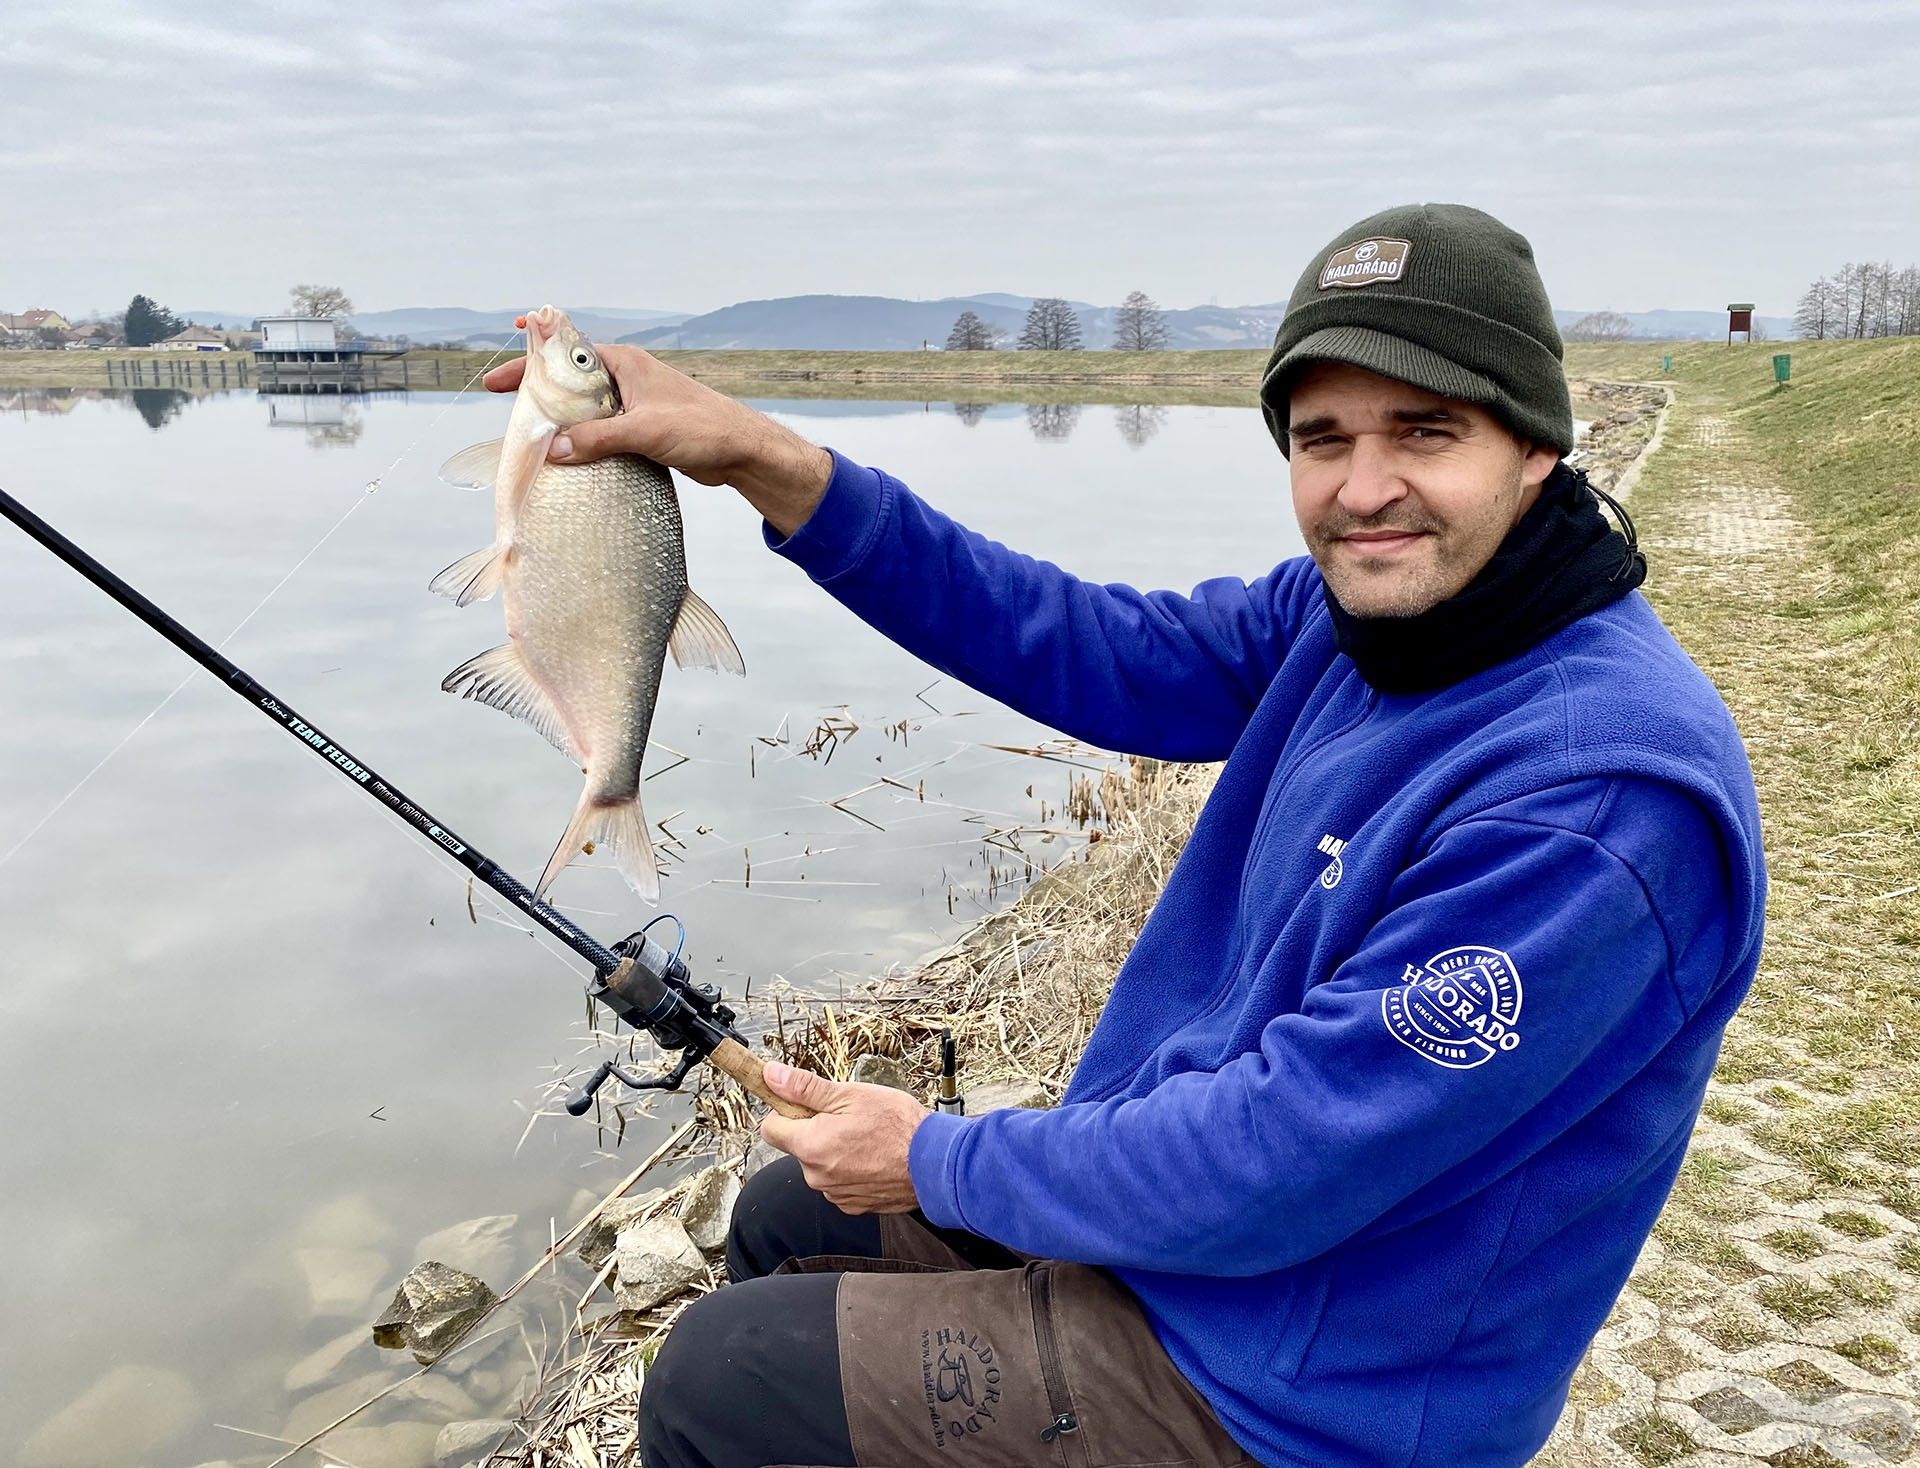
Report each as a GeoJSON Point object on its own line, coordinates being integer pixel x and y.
{"type": "Point", "coordinates": [435, 1305]}
{"type": "Point", "coordinates": [482, 1246]}
{"type": "Point", "coordinates": [465, 1444]}
{"type": "Point", "coordinates": [127, 1416]}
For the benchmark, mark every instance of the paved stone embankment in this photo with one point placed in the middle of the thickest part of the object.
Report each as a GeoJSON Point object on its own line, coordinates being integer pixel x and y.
{"type": "Point", "coordinates": [1771, 1318]}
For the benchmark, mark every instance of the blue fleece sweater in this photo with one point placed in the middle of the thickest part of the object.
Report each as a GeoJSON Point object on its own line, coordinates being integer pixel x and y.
{"type": "Point", "coordinates": [1393, 1084]}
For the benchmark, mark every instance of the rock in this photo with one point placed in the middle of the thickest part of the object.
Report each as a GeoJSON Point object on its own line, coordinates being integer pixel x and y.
{"type": "Point", "coordinates": [596, 1242]}
{"type": "Point", "coordinates": [435, 1305]}
{"type": "Point", "coordinates": [323, 1365]}
{"type": "Point", "coordinates": [707, 1210]}
{"type": "Point", "coordinates": [339, 1281]}
{"type": "Point", "coordinates": [349, 1222]}
{"type": "Point", "coordinates": [127, 1416]}
{"type": "Point", "coordinates": [310, 1414]}
{"type": "Point", "coordinates": [482, 1246]}
{"type": "Point", "coordinates": [463, 1443]}
{"type": "Point", "coordinates": [1000, 1095]}
{"type": "Point", "coordinates": [882, 1070]}
{"type": "Point", "coordinates": [657, 1260]}
{"type": "Point", "coordinates": [442, 1400]}
{"type": "Point", "coordinates": [396, 1445]}
{"type": "Point", "coordinates": [758, 1156]}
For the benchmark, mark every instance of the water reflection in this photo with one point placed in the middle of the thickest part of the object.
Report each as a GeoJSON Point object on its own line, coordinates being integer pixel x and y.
{"type": "Point", "coordinates": [330, 420]}
{"type": "Point", "coordinates": [159, 405]}
{"type": "Point", "coordinates": [970, 413]}
{"type": "Point", "coordinates": [308, 1125]}
{"type": "Point", "coordinates": [1052, 422]}
{"type": "Point", "coordinates": [1139, 422]}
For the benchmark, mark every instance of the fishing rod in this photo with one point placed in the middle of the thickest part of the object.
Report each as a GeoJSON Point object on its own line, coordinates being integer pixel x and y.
{"type": "Point", "coordinates": [637, 979]}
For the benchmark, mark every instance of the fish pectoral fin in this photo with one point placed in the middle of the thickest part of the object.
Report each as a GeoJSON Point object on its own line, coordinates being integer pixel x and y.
{"type": "Point", "coordinates": [472, 578]}
{"type": "Point", "coordinates": [617, 829]}
{"type": "Point", "coordinates": [476, 467]}
{"type": "Point", "coordinates": [500, 679]}
{"type": "Point", "coordinates": [700, 639]}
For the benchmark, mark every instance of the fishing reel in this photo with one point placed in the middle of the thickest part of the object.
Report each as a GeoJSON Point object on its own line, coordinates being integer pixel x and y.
{"type": "Point", "coordinates": [653, 990]}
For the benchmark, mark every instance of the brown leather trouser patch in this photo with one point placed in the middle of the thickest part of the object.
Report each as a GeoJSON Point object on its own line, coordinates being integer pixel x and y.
{"type": "Point", "coordinates": [1044, 1364]}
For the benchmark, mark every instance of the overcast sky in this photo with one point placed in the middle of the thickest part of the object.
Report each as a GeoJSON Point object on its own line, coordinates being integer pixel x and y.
{"type": "Point", "coordinates": [684, 156]}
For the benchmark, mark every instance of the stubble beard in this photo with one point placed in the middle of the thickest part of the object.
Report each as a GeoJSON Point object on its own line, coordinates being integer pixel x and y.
{"type": "Point", "coordinates": [1435, 568]}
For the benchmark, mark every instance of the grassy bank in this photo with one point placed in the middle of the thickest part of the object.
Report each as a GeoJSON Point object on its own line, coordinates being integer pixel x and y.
{"type": "Point", "coordinates": [1776, 1315]}
{"type": "Point", "coordinates": [966, 376]}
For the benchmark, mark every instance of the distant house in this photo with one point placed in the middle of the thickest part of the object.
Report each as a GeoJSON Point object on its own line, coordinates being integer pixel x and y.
{"type": "Point", "coordinates": [194, 339]}
{"type": "Point", "coordinates": [41, 319]}
{"type": "Point", "coordinates": [92, 334]}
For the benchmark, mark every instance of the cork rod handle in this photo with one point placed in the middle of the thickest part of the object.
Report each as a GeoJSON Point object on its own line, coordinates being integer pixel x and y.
{"type": "Point", "coordinates": [745, 1067]}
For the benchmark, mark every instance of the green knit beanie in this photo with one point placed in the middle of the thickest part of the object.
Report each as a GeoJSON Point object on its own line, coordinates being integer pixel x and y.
{"type": "Point", "coordinates": [1437, 295]}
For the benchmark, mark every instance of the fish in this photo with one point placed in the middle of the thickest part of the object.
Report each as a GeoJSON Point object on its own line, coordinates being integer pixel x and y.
{"type": "Point", "coordinates": [589, 561]}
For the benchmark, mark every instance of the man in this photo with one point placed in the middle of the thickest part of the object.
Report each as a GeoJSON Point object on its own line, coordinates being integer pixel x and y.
{"type": "Point", "coordinates": [1394, 1082]}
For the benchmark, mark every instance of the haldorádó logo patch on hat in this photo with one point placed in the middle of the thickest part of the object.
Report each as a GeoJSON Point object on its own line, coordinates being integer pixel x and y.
{"type": "Point", "coordinates": [1364, 262]}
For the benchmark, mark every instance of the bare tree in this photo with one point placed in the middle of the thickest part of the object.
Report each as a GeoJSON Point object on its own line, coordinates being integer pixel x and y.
{"type": "Point", "coordinates": [1600, 326]}
{"type": "Point", "coordinates": [1819, 313]}
{"type": "Point", "coordinates": [1138, 422]}
{"type": "Point", "coordinates": [971, 334]}
{"type": "Point", "coordinates": [1052, 420]}
{"type": "Point", "coordinates": [1051, 327]}
{"type": "Point", "coordinates": [1139, 326]}
{"type": "Point", "coordinates": [320, 300]}
{"type": "Point", "coordinates": [1906, 296]}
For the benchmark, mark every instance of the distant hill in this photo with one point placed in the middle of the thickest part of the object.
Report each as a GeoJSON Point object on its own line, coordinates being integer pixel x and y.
{"type": "Point", "coordinates": [890, 324]}
{"type": "Point", "coordinates": [1684, 326]}
{"type": "Point", "coordinates": [463, 323]}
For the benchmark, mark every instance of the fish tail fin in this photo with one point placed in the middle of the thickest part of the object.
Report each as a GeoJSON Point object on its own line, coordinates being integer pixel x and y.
{"type": "Point", "coordinates": [616, 828]}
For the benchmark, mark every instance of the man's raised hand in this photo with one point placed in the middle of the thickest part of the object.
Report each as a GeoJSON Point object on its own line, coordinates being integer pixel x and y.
{"type": "Point", "coordinates": [668, 417]}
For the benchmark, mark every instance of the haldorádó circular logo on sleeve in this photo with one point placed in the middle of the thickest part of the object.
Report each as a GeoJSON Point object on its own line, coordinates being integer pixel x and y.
{"type": "Point", "coordinates": [1459, 1009]}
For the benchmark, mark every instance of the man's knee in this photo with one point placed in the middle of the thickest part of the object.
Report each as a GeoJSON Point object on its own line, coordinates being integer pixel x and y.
{"type": "Point", "coordinates": [778, 1217]}
{"type": "Point", "coordinates": [688, 1373]}
{"type": "Point", "coordinates": [749, 1375]}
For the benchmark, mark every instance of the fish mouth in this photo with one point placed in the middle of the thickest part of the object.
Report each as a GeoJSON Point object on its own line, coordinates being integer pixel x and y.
{"type": "Point", "coordinates": [540, 326]}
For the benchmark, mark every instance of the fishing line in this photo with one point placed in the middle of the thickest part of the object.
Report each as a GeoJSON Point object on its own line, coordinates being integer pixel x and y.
{"type": "Point", "coordinates": [372, 486]}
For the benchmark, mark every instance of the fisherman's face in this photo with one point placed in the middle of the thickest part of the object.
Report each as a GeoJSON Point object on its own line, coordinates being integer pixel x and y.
{"type": "Point", "coordinates": [1402, 495]}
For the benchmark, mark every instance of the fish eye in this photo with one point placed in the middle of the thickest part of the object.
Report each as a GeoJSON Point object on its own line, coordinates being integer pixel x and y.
{"type": "Point", "coordinates": [583, 359]}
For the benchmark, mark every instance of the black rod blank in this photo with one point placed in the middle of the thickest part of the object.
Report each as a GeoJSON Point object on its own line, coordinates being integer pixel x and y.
{"type": "Point", "coordinates": [483, 867]}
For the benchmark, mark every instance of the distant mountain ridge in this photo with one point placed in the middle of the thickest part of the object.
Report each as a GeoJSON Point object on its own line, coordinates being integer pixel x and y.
{"type": "Point", "coordinates": [893, 324]}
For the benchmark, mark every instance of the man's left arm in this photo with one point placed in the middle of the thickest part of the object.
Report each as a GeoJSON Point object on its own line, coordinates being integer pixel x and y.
{"type": "Point", "coordinates": [1520, 975]}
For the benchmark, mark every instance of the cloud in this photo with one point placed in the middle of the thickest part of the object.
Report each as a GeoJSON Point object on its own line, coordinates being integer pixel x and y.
{"type": "Point", "coordinates": [688, 157]}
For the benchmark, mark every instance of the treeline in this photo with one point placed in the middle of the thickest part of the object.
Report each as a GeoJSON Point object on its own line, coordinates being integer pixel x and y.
{"type": "Point", "coordinates": [1861, 300]}
{"type": "Point", "coordinates": [1052, 325]}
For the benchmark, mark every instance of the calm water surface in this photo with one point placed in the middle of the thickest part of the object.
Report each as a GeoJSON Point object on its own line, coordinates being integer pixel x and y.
{"type": "Point", "coordinates": [252, 1048]}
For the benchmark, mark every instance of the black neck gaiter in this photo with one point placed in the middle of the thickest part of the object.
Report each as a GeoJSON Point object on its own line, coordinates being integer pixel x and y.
{"type": "Point", "coordinates": [1561, 561]}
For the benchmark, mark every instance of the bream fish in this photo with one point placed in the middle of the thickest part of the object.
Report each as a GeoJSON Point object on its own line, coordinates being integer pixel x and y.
{"type": "Point", "coordinates": [591, 563]}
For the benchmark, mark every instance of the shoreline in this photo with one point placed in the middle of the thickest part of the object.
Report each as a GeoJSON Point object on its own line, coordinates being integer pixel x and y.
{"type": "Point", "coordinates": [1225, 377]}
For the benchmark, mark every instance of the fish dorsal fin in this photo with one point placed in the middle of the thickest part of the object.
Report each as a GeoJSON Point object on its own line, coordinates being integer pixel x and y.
{"type": "Point", "coordinates": [700, 639]}
{"type": "Point", "coordinates": [476, 467]}
{"type": "Point", "coordinates": [500, 679]}
{"type": "Point", "coordinates": [471, 578]}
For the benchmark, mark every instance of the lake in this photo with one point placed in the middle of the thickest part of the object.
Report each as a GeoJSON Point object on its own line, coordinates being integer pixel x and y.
{"type": "Point", "coordinates": [253, 1048]}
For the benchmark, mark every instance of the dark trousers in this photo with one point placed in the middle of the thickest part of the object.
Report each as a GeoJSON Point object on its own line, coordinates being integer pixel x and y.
{"type": "Point", "coordinates": [887, 1343]}
{"type": "Point", "coordinates": [750, 1375]}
